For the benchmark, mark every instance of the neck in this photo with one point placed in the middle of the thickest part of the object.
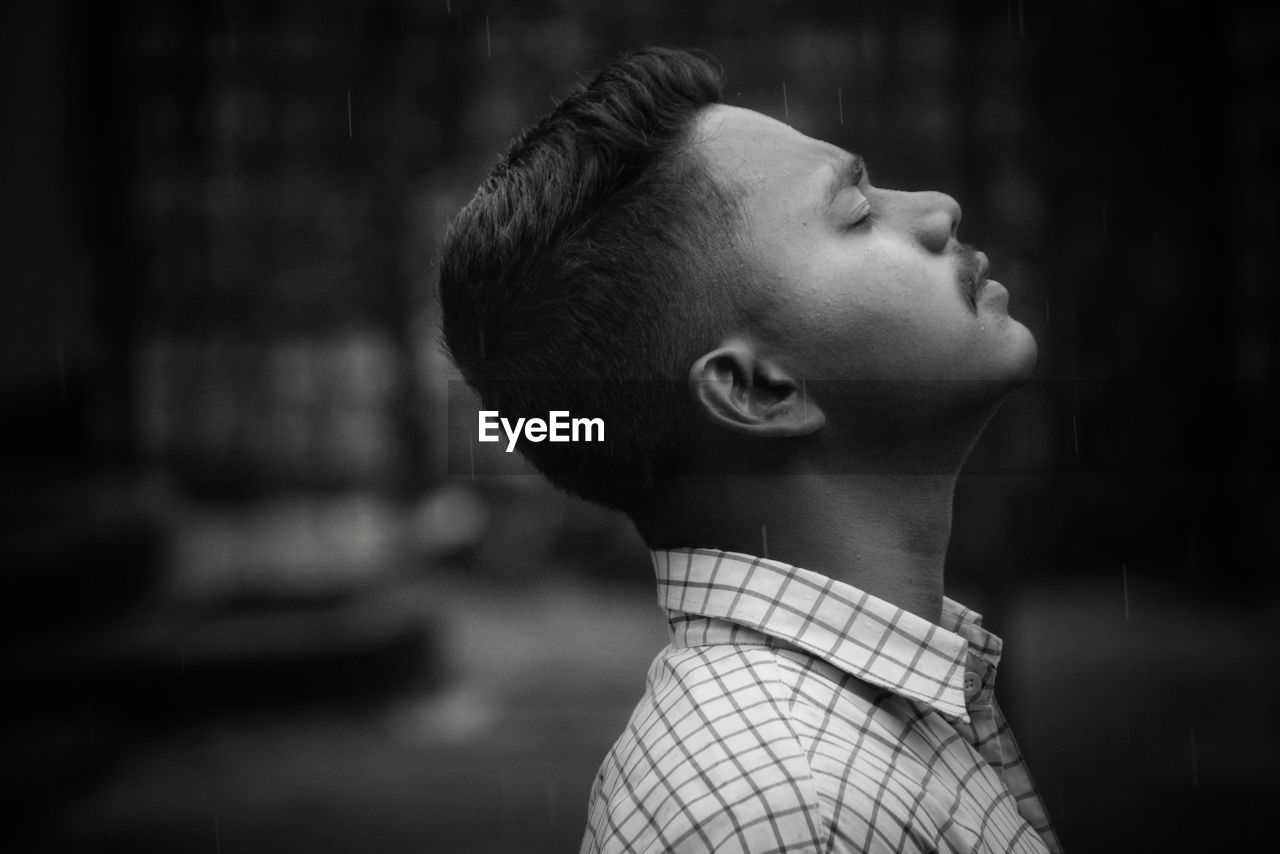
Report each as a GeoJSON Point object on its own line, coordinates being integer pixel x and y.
{"type": "Point", "coordinates": [884, 534]}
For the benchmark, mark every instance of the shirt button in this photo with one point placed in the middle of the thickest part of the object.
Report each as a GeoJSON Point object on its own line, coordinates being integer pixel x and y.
{"type": "Point", "coordinates": [972, 685]}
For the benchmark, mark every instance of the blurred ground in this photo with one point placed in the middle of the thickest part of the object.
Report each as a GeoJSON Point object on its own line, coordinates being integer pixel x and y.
{"type": "Point", "coordinates": [491, 747]}
{"type": "Point", "coordinates": [1146, 716]}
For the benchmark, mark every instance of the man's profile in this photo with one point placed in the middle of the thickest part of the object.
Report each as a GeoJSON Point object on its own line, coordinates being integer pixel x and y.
{"type": "Point", "coordinates": [791, 365]}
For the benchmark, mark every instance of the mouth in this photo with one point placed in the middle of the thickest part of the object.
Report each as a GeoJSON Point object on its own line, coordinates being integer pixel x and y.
{"type": "Point", "coordinates": [973, 276]}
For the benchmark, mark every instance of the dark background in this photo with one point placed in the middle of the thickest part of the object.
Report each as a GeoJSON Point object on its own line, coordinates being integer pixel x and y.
{"type": "Point", "coordinates": [247, 608]}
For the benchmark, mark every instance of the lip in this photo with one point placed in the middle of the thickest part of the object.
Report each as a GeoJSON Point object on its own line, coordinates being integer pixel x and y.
{"type": "Point", "coordinates": [995, 294]}
{"type": "Point", "coordinates": [980, 280]}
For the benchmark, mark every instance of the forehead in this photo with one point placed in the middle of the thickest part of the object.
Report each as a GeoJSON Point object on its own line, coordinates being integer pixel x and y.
{"type": "Point", "coordinates": [762, 154]}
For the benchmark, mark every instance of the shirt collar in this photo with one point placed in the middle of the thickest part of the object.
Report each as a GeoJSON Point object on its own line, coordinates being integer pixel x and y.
{"type": "Point", "coordinates": [860, 634]}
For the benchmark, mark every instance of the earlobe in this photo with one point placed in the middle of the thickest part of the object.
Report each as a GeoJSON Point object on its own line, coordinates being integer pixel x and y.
{"type": "Point", "coordinates": [735, 388]}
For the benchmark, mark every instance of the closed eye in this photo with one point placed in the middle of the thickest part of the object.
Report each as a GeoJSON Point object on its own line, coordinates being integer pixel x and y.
{"type": "Point", "coordinates": [847, 194]}
{"type": "Point", "coordinates": [862, 212]}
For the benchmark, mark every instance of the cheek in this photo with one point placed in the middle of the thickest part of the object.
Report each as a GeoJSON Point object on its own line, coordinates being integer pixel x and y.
{"type": "Point", "coordinates": [897, 299]}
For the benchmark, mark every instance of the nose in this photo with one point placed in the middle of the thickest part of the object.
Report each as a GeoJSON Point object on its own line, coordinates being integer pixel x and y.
{"type": "Point", "coordinates": [937, 216]}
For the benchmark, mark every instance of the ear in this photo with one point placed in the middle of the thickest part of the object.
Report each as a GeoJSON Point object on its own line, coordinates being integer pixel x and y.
{"type": "Point", "coordinates": [738, 389]}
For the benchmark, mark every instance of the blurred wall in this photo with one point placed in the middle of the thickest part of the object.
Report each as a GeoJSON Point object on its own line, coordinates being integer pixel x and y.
{"type": "Point", "coordinates": [221, 218]}
{"type": "Point", "coordinates": [225, 216]}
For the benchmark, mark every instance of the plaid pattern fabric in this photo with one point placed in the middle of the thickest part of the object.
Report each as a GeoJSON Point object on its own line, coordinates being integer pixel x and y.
{"type": "Point", "coordinates": [791, 712]}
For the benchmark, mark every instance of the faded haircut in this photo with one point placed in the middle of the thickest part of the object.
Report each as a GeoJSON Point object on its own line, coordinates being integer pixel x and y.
{"type": "Point", "coordinates": [590, 270]}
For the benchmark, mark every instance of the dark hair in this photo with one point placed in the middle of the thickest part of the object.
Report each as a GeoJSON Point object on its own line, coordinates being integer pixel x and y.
{"type": "Point", "coordinates": [589, 271]}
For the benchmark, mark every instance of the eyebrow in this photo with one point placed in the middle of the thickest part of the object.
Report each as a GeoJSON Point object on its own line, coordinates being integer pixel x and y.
{"type": "Point", "coordinates": [851, 169]}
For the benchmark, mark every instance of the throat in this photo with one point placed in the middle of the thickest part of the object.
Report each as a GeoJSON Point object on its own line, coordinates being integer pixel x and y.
{"type": "Point", "coordinates": [885, 535]}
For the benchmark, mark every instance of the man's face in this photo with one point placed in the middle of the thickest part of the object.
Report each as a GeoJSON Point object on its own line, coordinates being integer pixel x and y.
{"type": "Point", "coordinates": [860, 283]}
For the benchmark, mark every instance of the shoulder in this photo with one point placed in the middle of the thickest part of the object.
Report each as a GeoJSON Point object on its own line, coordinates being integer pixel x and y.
{"type": "Point", "coordinates": [709, 761]}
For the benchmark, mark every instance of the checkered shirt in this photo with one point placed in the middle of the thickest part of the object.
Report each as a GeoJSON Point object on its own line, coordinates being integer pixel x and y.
{"type": "Point", "coordinates": [791, 712]}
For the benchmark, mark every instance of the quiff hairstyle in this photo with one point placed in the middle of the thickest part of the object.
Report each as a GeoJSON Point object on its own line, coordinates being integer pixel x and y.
{"type": "Point", "coordinates": [593, 266]}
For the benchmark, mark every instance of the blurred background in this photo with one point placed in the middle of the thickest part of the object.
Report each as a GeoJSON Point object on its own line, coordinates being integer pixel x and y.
{"type": "Point", "coordinates": [247, 605]}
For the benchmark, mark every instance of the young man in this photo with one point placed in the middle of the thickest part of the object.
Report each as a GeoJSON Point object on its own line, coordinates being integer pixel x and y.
{"type": "Point", "coordinates": [791, 364]}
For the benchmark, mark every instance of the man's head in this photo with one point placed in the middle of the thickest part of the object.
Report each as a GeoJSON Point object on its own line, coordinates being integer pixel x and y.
{"type": "Point", "coordinates": [713, 284]}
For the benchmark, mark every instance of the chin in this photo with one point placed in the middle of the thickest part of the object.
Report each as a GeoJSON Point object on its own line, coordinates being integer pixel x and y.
{"type": "Point", "coordinates": [1007, 367]}
{"type": "Point", "coordinates": [1023, 352]}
